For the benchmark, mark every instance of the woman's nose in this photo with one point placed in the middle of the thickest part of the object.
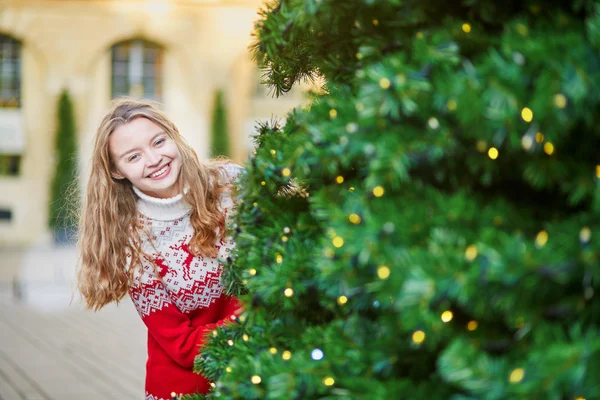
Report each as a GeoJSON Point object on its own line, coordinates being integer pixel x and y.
{"type": "Point", "coordinates": [153, 158]}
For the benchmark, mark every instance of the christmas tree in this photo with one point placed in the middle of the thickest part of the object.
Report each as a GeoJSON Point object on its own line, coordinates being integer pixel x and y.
{"type": "Point", "coordinates": [428, 227]}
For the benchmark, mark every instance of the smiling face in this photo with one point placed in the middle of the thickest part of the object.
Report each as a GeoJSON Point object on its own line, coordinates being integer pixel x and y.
{"type": "Point", "coordinates": [143, 153]}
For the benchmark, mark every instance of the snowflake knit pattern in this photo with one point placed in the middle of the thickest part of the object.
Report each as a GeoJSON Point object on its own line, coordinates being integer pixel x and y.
{"type": "Point", "coordinates": [179, 296]}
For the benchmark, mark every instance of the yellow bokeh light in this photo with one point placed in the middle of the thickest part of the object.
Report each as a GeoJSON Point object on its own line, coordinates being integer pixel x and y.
{"type": "Point", "coordinates": [418, 337]}
{"type": "Point", "coordinates": [284, 238]}
{"type": "Point", "coordinates": [263, 183]}
{"type": "Point", "coordinates": [328, 381]}
{"type": "Point", "coordinates": [273, 152]}
{"type": "Point", "coordinates": [338, 242]}
{"type": "Point", "coordinates": [447, 316]}
{"type": "Point", "coordinates": [481, 146]}
{"type": "Point", "coordinates": [383, 272]}
{"type": "Point", "coordinates": [493, 153]}
{"type": "Point", "coordinates": [378, 191]}
{"type": "Point", "coordinates": [289, 292]}
{"type": "Point", "coordinates": [256, 379]}
{"type": "Point", "coordinates": [228, 369]}
{"type": "Point", "coordinates": [339, 179]}
{"type": "Point", "coordinates": [472, 325]}
{"type": "Point", "coordinates": [252, 271]}
{"type": "Point", "coordinates": [332, 113]}
{"type": "Point", "coordinates": [286, 172]}
{"type": "Point", "coordinates": [527, 114]}
{"type": "Point", "coordinates": [385, 83]}
{"type": "Point", "coordinates": [522, 29]}
{"type": "Point", "coordinates": [466, 28]}
{"type": "Point", "coordinates": [375, 22]}
{"type": "Point", "coordinates": [230, 342]}
{"type": "Point", "coordinates": [585, 234]}
{"type": "Point", "coordinates": [517, 375]}
{"type": "Point", "coordinates": [245, 337]}
{"type": "Point", "coordinates": [560, 100]}
{"type": "Point", "coordinates": [255, 204]}
{"type": "Point", "coordinates": [541, 238]}
{"type": "Point", "coordinates": [342, 300]}
{"type": "Point", "coordinates": [286, 355]}
{"type": "Point", "coordinates": [451, 105]}
{"type": "Point", "coordinates": [579, 398]}
{"type": "Point", "coordinates": [273, 350]}
{"type": "Point", "coordinates": [471, 252]}
{"type": "Point", "coordinates": [351, 189]}
{"type": "Point", "coordinates": [539, 137]}
{"type": "Point", "coordinates": [549, 148]}
{"type": "Point", "coordinates": [279, 258]}
{"type": "Point", "coordinates": [598, 171]}
{"type": "Point", "coordinates": [354, 218]}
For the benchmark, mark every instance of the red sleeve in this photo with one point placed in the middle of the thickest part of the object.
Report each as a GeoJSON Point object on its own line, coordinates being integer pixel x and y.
{"type": "Point", "coordinates": [175, 331]}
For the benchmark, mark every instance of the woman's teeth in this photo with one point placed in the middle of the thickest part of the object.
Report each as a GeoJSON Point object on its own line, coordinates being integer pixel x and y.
{"type": "Point", "coordinates": [159, 172]}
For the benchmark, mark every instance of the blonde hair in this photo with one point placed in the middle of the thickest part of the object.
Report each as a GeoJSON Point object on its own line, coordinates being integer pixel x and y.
{"type": "Point", "coordinates": [109, 237]}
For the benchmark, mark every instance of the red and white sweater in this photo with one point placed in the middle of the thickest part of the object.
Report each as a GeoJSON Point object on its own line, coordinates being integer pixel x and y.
{"type": "Point", "coordinates": [186, 302]}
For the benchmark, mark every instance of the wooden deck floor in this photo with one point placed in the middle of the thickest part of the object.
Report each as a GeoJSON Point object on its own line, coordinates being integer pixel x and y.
{"type": "Point", "coordinates": [71, 353]}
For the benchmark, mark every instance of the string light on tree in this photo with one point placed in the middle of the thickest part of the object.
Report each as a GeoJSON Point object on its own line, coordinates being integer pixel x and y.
{"type": "Point", "coordinates": [273, 152]}
{"type": "Point", "coordinates": [228, 369]}
{"type": "Point", "coordinates": [451, 105]}
{"type": "Point", "coordinates": [328, 381]}
{"type": "Point", "coordinates": [230, 342]}
{"type": "Point", "coordinates": [342, 300]}
{"type": "Point", "coordinates": [517, 375]}
{"type": "Point", "coordinates": [493, 153]}
{"type": "Point", "coordinates": [256, 379]}
{"type": "Point", "coordinates": [332, 113]}
{"type": "Point", "coordinates": [418, 337]}
{"type": "Point", "coordinates": [245, 337]}
{"type": "Point", "coordinates": [433, 123]}
{"type": "Point", "coordinates": [279, 258]}
{"type": "Point", "coordinates": [383, 272]}
{"type": "Point", "coordinates": [338, 242]}
{"type": "Point", "coordinates": [598, 171]}
{"type": "Point", "coordinates": [447, 316]}
{"type": "Point", "coordinates": [541, 239]}
{"type": "Point", "coordinates": [560, 101]}
{"type": "Point", "coordinates": [286, 172]}
{"type": "Point", "coordinates": [585, 235]}
{"type": "Point", "coordinates": [263, 183]}
{"type": "Point", "coordinates": [385, 83]}
{"type": "Point", "coordinates": [289, 292]}
{"type": "Point", "coordinates": [526, 142]}
{"type": "Point", "coordinates": [548, 148]}
{"type": "Point", "coordinates": [354, 219]}
{"type": "Point", "coordinates": [339, 179]}
{"type": "Point", "coordinates": [378, 191]}
{"type": "Point", "coordinates": [471, 252]}
{"type": "Point", "coordinates": [481, 146]}
{"type": "Point", "coordinates": [375, 22]}
{"type": "Point", "coordinates": [539, 137]}
{"type": "Point", "coordinates": [252, 272]}
{"type": "Point", "coordinates": [472, 325]}
{"type": "Point", "coordinates": [273, 350]}
{"type": "Point", "coordinates": [317, 354]}
{"type": "Point", "coordinates": [466, 28]}
{"type": "Point", "coordinates": [527, 114]}
{"type": "Point", "coordinates": [352, 127]}
{"type": "Point", "coordinates": [286, 355]}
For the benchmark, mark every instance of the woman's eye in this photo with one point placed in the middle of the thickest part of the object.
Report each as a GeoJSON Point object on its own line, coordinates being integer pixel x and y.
{"type": "Point", "coordinates": [133, 157]}
{"type": "Point", "coordinates": [159, 142]}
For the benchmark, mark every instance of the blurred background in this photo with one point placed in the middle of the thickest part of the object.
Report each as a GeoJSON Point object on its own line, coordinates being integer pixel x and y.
{"type": "Point", "coordinates": [61, 62]}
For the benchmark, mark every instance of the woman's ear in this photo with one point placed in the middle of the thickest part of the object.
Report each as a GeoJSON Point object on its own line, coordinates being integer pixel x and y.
{"type": "Point", "coordinates": [116, 174]}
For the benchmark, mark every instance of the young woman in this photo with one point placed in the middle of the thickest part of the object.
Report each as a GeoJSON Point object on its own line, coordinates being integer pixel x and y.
{"type": "Point", "coordinates": [153, 225]}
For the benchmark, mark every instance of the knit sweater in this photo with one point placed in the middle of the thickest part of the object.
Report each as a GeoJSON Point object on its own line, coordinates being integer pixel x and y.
{"type": "Point", "coordinates": [186, 300]}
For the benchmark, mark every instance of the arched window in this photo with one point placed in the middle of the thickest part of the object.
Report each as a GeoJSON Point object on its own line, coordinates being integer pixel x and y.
{"type": "Point", "coordinates": [12, 135]}
{"type": "Point", "coordinates": [10, 72]}
{"type": "Point", "coordinates": [137, 69]}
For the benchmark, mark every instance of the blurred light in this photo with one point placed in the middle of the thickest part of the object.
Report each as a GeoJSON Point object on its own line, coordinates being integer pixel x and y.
{"type": "Point", "coordinates": [383, 272]}
{"type": "Point", "coordinates": [360, 107]}
{"type": "Point", "coordinates": [228, 369]}
{"type": "Point", "coordinates": [286, 355]}
{"type": "Point", "coordinates": [286, 172]}
{"type": "Point", "coordinates": [252, 271]}
{"type": "Point", "coordinates": [328, 252]}
{"type": "Point", "coordinates": [338, 242]}
{"type": "Point", "coordinates": [328, 381]}
{"type": "Point", "coordinates": [517, 375]}
{"type": "Point", "coordinates": [273, 350]}
{"type": "Point", "coordinates": [256, 379]}
{"type": "Point", "coordinates": [585, 234]}
{"type": "Point", "coordinates": [539, 137]}
{"type": "Point", "coordinates": [375, 22]}
{"type": "Point", "coordinates": [541, 238]}
{"type": "Point", "coordinates": [289, 292]}
{"type": "Point", "coordinates": [352, 188]}
{"type": "Point", "coordinates": [279, 258]}
{"type": "Point", "coordinates": [352, 127]}
{"type": "Point", "coordinates": [354, 218]}
{"type": "Point", "coordinates": [273, 152]}
{"type": "Point", "coordinates": [527, 142]}
{"type": "Point", "coordinates": [560, 100]}
{"type": "Point", "coordinates": [527, 114]}
{"type": "Point", "coordinates": [598, 171]}
{"type": "Point", "coordinates": [433, 123]}
{"type": "Point", "coordinates": [342, 300]}
{"type": "Point", "coordinates": [284, 238]}
{"type": "Point", "coordinates": [317, 354]}
{"type": "Point", "coordinates": [230, 342]}
{"type": "Point", "coordinates": [466, 28]}
{"type": "Point", "coordinates": [472, 325]}
{"type": "Point", "coordinates": [522, 29]}
{"type": "Point", "coordinates": [447, 316]}
{"type": "Point", "coordinates": [493, 153]}
{"type": "Point", "coordinates": [471, 252]}
{"type": "Point", "coordinates": [245, 337]}
{"type": "Point", "coordinates": [385, 83]}
{"type": "Point", "coordinates": [481, 146]}
{"type": "Point", "coordinates": [378, 191]}
{"type": "Point", "coordinates": [418, 337]}
{"type": "Point", "coordinates": [332, 113]}
{"type": "Point", "coordinates": [339, 179]}
{"type": "Point", "coordinates": [451, 105]}
{"type": "Point", "coordinates": [549, 148]}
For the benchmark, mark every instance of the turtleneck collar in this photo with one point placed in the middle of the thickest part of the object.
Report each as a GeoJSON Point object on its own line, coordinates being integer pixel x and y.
{"type": "Point", "coordinates": [162, 209]}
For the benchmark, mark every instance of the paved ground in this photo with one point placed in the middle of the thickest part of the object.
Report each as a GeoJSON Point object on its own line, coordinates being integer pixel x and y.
{"type": "Point", "coordinates": [53, 349]}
